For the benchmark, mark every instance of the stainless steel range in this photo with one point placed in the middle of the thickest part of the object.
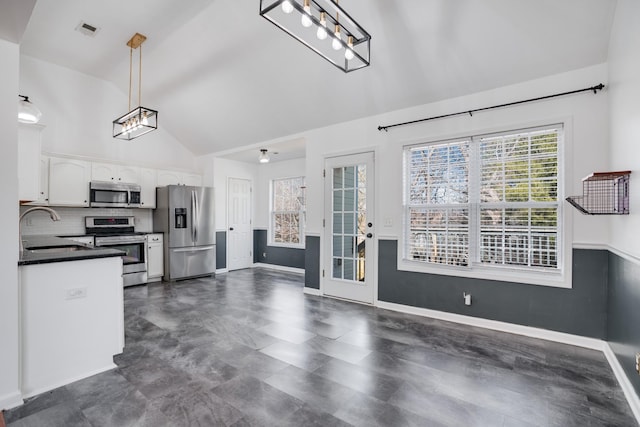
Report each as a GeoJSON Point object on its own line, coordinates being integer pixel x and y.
{"type": "Point", "coordinates": [118, 233]}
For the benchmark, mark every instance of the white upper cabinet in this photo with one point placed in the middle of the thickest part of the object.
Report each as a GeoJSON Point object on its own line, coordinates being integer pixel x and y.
{"type": "Point", "coordinates": [169, 178]}
{"type": "Point", "coordinates": [69, 182]}
{"type": "Point", "coordinates": [29, 162]}
{"type": "Point", "coordinates": [148, 184]}
{"type": "Point", "coordinates": [192, 179]}
{"type": "Point", "coordinates": [166, 177]}
{"type": "Point", "coordinates": [115, 173]}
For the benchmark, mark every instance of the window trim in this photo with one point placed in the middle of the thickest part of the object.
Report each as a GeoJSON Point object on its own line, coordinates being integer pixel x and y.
{"type": "Point", "coordinates": [560, 277]}
{"type": "Point", "coordinates": [271, 227]}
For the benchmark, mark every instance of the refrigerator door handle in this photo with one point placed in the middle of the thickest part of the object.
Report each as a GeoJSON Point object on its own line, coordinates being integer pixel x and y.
{"type": "Point", "coordinates": [196, 224]}
{"type": "Point", "coordinates": [198, 249]}
{"type": "Point", "coordinates": [193, 218]}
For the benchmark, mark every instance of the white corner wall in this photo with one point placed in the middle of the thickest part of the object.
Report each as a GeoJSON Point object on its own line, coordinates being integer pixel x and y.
{"type": "Point", "coordinates": [266, 173]}
{"type": "Point", "coordinates": [77, 111]}
{"type": "Point", "coordinates": [9, 350]}
{"type": "Point", "coordinates": [624, 88]}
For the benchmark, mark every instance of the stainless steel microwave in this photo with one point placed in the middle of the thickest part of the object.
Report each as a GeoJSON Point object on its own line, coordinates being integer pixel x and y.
{"type": "Point", "coordinates": [104, 194]}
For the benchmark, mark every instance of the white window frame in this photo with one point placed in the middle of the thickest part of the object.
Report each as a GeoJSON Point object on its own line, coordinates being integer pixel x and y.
{"type": "Point", "coordinates": [556, 277]}
{"type": "Point", "coordinates": [301, 212]}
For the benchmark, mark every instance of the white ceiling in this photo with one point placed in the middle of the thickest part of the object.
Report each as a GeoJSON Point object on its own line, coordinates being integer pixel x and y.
{"type": "Point", "coordinates": [223, 77]}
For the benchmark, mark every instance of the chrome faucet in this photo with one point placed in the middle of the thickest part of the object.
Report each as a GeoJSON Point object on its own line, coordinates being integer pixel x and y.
{"type": "Point", "coordinates": [53, 214]}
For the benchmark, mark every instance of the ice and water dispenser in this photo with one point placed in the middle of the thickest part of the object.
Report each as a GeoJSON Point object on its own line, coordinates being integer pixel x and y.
{"type": "Point", "coordinates": [181, 217]}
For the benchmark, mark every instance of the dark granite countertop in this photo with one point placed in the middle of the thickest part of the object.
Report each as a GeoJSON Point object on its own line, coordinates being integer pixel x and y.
{"type": "Point", "coordinates": [33, 243]}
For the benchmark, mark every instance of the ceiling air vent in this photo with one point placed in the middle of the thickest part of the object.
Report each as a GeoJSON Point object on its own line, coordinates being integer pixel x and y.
{"type": "Point", "coordinates": [87, 29]}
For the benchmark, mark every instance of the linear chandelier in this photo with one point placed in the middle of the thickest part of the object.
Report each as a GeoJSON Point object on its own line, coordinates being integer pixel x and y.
{"type": "Point", "coordinates": [140, 120]}
{"type": "Point", "coordinates": [324, 27]}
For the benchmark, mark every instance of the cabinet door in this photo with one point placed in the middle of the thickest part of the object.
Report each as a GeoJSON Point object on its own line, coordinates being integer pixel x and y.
{"type": "Point", "coordinates": [43, 196]}
{"type": "Point", "coordinates": [28, 162]}
{"type": "Point", "coordinates": [103, 172]}
{"type": "Point", "coordinates": [169, 178]}
{"type": "Point", "coordinates": [192, 179]}
{"type": "Point", "coordinates": [69, 182]}
{"type": "Point", "coordinates": [129, 174]}
{"type": "Point", "coordinates": [148, 183]}
{"type": "Point", "coordinates": [155, 261]}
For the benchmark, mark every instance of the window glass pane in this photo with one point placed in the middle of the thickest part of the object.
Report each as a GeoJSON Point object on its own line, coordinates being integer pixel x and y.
{"type": "Point", "coordinates": [337, 223]}
{"type": "Point", "coordinates": [349, 224]}
{"type": "Point", "coordinates": [348, 246]}
{"type": "Point", "coordinates": [337, 246]}
{"type": "Point", "coordinates": [337, 268]}
{"type": "Point", "coordinates": [288, 210]}
{"type": "Point", "coordinates": [348, 270]}
{"type": "Point", "coordinates": [515, 205]}
{"type": "Point", "coordinates": [337, 178]}
{"type": "Point", "coordinates": [337, 200]}
{"type": "Point", "coordinates": [349, 201]}
{"type": "Point", "coordinates": [349, 177]}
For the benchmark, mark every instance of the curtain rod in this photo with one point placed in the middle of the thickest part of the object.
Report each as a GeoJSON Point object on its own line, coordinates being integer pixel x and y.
{"type": "Point", "coordinates": [595, 89]}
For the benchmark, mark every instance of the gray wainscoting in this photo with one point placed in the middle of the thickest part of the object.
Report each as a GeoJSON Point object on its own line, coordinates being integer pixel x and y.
{"type": "Point", "coordinates": [581, 310]}
{"type": "Point", "coordinates": [221, 250]}
{"type": "Point", "coordinates": [276, 255]}
{"type": "Point", "coordinates": [312, 262]}
{"type": "Point", "coordinates": [623, 326]}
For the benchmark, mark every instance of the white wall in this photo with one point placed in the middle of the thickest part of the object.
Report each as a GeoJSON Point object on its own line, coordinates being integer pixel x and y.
{"type": "Point", "coordinates": [217, 172]}
{"type": "Point", "coordinates": [624, 87]}
{"type": "Point", "coordinates": [9, 349]}
{"type": "Point", "coordinates": [267, 172]}
{"type": "Point", "coordinates": [77, 111]}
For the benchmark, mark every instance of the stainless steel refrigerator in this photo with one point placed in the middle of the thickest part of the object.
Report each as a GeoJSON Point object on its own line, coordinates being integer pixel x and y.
{"type": "Point", "coordinates": [185, 215]}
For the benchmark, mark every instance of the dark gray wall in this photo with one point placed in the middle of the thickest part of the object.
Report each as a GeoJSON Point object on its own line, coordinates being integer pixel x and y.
{"type": "Point", "coordinates": [221, 249]}
{"type": "Point", "coordinates": [580, 310]}
{"type": "Point", "coordinates": [312, 262]}
{"type": "Point", "coordinates": [623, 326]}
{"type": "Point", "coordinates": [276, 255]}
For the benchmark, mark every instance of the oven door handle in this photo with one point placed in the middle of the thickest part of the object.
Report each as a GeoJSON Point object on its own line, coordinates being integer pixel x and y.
{"type": "Point", "coordinates": [199, 249]}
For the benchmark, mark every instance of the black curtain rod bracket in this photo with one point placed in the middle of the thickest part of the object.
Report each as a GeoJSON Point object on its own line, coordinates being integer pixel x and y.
{"type": "Point", "coordinates": [595, 90]}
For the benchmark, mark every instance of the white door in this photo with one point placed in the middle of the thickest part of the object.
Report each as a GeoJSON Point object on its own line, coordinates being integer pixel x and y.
{"type": "Point", "coordinates": [349, 227]}
{"type": "Point", "coordinates": [239, 239]}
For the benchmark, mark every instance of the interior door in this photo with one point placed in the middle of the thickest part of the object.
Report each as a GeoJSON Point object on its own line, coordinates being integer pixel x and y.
{"type": "Point", "coordinates": [240, 240]}
{"type": "Point", "coordinates": [349, 227]}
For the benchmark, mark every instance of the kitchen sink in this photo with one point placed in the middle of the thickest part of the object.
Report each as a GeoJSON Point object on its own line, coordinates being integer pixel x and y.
{"type": "Point", "coordinates": [57, 249]}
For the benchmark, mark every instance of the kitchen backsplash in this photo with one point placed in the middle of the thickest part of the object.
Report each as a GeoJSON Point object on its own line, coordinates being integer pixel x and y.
{"type": "Point", "coordinates": [72, 222]}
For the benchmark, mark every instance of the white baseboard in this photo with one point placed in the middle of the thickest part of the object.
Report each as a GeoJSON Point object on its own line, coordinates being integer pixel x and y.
{"type": "Point", "coordinates": [495, 325]}
{"type": "Point", "coordinates": [279, 267]}
{"type": "Point", "coordinates": [625, 384]}
{"type": "Point", "coordinates": [222, 270]}
{"type": "Point", "coordinates": [11, 400]}
{"type": "Point", "coordinates": [66, 381]}
{"type": "Point", "coordinates": [312, 291]}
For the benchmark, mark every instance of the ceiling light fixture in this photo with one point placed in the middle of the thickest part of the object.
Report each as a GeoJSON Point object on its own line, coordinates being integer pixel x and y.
{"type": "Point", "coordinates": [140, 120]}
{"type": "Point", "coordinates": [27, 112]}
{"type": "Point", "coordinates": [264, 157]}
{"type": "Point", "coordinates": [321, 14]}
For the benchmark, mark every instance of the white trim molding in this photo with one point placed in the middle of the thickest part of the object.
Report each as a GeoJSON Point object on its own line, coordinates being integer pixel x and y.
{"type": "Point", "coordinates": [312, 291]}
{"type": "Point", "coordinates": [11, 400]}
{"type": "Point", "coordinates": [623, 380]}
{"type": "Point", "coordinates": [529, 331]}
{"type": "Point", "coordinates": [278, 267]}
{"type": "Point", "coordinates": [222, 270]}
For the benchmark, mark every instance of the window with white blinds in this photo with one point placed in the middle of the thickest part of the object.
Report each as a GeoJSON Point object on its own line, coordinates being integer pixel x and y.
{"type": "Point", "coordinates": [287, 212]}
{"type": "Point", "coordinates": [489, 200]}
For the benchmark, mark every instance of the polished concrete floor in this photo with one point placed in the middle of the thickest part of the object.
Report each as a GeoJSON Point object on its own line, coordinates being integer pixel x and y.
{"type": "Point", "coordinates": [248, 348]}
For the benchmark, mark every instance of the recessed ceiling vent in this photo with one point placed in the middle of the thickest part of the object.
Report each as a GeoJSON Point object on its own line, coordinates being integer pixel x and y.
{"type": "Point", "coordinates": [87, 29]}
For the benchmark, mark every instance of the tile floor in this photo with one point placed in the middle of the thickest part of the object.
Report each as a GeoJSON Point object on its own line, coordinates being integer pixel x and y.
{"type": "Point", "coordinates": [248, 348]}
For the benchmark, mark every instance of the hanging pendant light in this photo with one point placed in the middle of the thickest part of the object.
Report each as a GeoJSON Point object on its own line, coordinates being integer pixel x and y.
{"type": "Point", "coordinates": [264, 157]}
{"type": "Point", "coordinates": [27, 112]}
{"type": "Point", "coordinates": [140, 120]}
{"type": "Point", "coordinates": [334, 28]}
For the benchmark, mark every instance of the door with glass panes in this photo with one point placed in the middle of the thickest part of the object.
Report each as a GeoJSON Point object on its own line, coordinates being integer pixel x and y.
{"type": "Point", "coordinates": [349, 228]}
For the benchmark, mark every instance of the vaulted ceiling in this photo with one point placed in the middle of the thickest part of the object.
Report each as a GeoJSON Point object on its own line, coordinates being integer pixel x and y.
{"type": "Point", "coordinates": [224, 77]}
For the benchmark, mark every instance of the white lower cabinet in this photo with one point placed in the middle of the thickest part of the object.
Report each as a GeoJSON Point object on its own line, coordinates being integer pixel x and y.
{"type": "Point", "coordinates": [155, 257]}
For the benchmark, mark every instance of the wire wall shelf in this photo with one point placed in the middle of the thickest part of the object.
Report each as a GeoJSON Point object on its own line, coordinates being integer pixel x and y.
{"type": "Point", "coordinates": [603, 193]}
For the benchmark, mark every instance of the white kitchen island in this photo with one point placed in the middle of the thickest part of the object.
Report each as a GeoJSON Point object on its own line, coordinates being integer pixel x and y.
{"type": "Point", "coordinates": [72, 320]}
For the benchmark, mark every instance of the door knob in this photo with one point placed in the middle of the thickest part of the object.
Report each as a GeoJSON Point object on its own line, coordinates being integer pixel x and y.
{"type": "Point", "coordinates": [230, 228]}
{"type": "Point", "coordinates": [370, 225]}
{"type": "Point", "coordinates": [369, 235]}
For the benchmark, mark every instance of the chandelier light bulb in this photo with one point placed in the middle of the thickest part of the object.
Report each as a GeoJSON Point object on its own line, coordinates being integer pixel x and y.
{"type": "Point", "coordinates": [336, 44]}
{"type": "Point", "coordinates": [322, 28]}
{"type": "Point", "coordinates": [287, 7]}
{"type": "Point", "coordinates": [145, 119]}
{"type": "Point", "coordinates": [348, 53]}
{"type": "Point", "coordinates": [306, 19]}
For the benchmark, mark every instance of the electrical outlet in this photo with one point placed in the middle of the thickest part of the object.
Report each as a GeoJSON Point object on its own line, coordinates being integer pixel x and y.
{"type": "Point", "coordinates": [638, 363]}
